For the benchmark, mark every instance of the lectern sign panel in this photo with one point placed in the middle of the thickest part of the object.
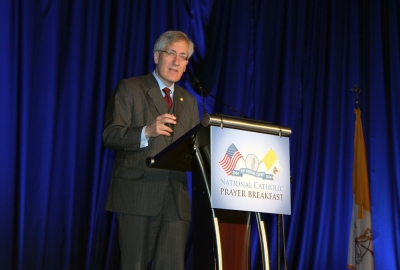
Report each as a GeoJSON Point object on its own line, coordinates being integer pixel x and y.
{"type": "Point", "coordinates": [250, 171]}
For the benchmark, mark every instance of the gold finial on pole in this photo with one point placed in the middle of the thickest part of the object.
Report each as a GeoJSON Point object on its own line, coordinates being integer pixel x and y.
{"type": "Point", "coordinates": [357, 90]}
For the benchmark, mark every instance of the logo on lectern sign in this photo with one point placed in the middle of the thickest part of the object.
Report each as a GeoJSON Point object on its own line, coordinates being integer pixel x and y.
{"type": "Point", "coordinates": [250, 171]}
{"type": "Point", "coordinates": [252, 163]}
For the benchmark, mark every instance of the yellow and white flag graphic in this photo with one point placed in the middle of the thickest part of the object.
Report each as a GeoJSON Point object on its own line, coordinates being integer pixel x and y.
{"type": "Point", "coordinates": [361, 252]}
{"type": "Point", "coordinates": [272, 164]}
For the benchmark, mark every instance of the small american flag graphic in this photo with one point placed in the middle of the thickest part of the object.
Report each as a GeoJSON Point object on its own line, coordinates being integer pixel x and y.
{"type": "Point", "coordinates": [230, 159]}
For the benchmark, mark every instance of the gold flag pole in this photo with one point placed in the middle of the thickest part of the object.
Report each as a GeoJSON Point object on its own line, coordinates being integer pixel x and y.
{"type": "Point", "coordinates": [356, 90]}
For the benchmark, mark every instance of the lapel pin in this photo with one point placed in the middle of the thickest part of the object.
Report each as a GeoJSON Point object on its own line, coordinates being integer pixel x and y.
{"type": "Point", "coordinates": [181, 99]}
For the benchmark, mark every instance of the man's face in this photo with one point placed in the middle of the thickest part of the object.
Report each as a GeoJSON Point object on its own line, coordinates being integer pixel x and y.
{"type": "Point", "coordinates": [169, 68]}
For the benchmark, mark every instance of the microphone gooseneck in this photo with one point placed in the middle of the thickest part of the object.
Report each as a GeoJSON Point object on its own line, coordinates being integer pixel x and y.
{"type": "Point", "coordinates": [196, 84]}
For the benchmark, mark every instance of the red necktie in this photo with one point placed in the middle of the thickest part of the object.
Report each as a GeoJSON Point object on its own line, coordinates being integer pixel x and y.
{"type": "Point", "coordinates": [167, 98]}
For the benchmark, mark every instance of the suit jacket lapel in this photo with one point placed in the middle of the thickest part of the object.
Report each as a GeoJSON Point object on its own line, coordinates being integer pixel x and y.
{"type": "Point", "coordinates": [153, 91]}
{"type": "Point", "coordinates": [157, 99]}
{"type": "Point", "coordinates": [178, 102]}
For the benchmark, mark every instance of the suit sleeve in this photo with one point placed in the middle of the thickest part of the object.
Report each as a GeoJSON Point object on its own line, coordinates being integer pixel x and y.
{"type": "Point", "coordinates": [119, 132]}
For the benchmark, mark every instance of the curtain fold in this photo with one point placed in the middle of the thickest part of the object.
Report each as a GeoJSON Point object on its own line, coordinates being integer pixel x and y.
{"type": "Point", "coordinates": [288, 62]}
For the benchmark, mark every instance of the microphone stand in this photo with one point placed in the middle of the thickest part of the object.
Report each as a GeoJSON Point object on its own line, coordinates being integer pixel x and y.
{"type": "Point", "coordinates": [196, 85]}
{"type": "Point", "coordinates": [229, 107]}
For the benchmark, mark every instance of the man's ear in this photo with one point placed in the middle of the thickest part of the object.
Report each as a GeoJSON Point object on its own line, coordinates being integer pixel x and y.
{"type": "Point", "coordinates": [156, 55]}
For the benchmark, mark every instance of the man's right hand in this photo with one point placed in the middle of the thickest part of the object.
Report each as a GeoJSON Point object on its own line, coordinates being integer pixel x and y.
{"type": "Point", "coordinates": [159, 126]}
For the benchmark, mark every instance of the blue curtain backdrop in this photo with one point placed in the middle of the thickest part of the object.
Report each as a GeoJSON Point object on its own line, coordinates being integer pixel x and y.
{"type": "Point", "coordinates": [288, 62]}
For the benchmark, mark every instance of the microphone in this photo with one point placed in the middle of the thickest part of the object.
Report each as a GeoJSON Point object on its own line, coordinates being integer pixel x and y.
{"type": "Point", "coordinates": [196, 84]}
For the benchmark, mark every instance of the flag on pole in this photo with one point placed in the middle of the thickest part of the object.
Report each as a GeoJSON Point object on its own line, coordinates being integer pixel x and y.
{"type": "Point", "coordinates": [360, 253]}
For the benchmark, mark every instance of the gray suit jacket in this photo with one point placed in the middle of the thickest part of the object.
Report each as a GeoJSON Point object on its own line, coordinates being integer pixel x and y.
{"type": "Point", "coordinates": [135, 188]}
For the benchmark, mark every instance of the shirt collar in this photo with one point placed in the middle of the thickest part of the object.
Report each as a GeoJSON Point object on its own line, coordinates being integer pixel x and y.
{"type": "Point", "coordinates": [162, 85]}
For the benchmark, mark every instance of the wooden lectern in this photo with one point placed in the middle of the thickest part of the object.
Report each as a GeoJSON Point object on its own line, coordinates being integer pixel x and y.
{"type": "Point", "coordinates": [221, 237]}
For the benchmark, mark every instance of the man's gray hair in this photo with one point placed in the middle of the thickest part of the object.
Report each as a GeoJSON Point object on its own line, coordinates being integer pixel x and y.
{"type": "Point", "coordinates": [171, 37]}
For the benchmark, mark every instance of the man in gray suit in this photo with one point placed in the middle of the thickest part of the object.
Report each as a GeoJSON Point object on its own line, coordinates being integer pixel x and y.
{"type": "Point", "coordinates": [152, 205]}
